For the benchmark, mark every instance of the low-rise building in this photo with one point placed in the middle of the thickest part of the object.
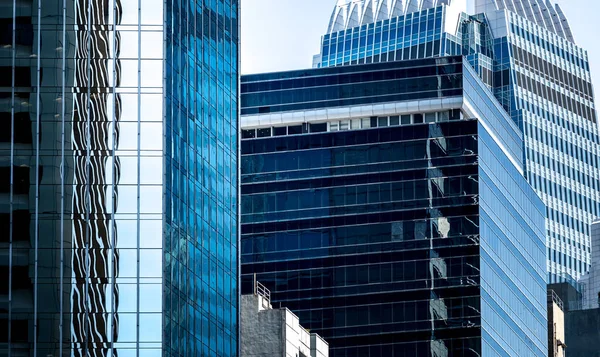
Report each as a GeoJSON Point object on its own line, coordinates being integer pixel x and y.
{"type": "Point", "coordinates": [269, 332]}
{"type": "Point", "coordinates": [556, 326]}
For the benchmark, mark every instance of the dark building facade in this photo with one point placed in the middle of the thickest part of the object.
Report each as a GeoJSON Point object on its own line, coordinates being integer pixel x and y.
{"type": "Point", "coordinates": [582, 333]}
{"type": "Point", "coordinates": [385, 205]}
{"type": "Point", "coordinates": [118, 178]}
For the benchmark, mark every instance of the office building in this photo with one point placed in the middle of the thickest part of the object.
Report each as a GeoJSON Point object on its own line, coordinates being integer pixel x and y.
{"type": "Point", "coordinates": [385, 205]}
{"type": "Point", "coordinates": [274, 332]}
{"type": "Point", "coordinates": [525, 51]}
{"type": "Point", "coordinates": [118, 193]}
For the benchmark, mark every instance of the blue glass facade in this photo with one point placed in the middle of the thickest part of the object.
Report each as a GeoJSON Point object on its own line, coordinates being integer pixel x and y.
{"type": "Point", "coordinates": [541, 78]}
{"type": "Point", "coordinates": [201, 208]}
{"type": "Point", "coordinates": [375, 224]}
{"type": "Point", "coordinates": [414, 35]}
{"type": "Point", "coordinates": [118, 178]}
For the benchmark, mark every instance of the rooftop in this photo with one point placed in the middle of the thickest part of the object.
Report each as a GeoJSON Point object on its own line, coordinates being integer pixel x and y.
{"type": "Point", "coordinates": [353, 13]}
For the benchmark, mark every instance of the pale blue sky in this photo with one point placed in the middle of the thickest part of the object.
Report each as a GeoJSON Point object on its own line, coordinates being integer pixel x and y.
{"type": "Point", "coordinates": [284, 34]}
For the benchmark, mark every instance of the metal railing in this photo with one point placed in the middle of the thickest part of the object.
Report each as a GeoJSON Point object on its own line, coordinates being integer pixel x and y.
{"type": "Point", "coordinates": [552, 297]}
{"type": "Point", "coordinates": [261, 290]}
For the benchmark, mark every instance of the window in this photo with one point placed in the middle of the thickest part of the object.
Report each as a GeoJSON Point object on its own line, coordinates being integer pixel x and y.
{"type": "Point", "coordinates": [430, 117]}
{"type": "Point", "coordinates": [22, 128]}
{"type": "Point", "coordinates": [345, 125]}
{"type": "Point", "coordinates": [444, 116]}
{"type": "Point", "coordinates": [318, 128]}
{"type": "Point", "coordinates": [373, 122]}
{"type": "Point", "coordinates": [264, 132]}
{"type": "Point", "coordinates": [248, 134]}
{"type": "Point", "coordinates": [294, 129]}
{"type": "Point", "coordinates": [455, 114]}
{"type": "Point", "coordinates": [279, 131]}
{"type": "Point", "coordinates": [22, 76]}
{"type": "Point", "coordinates": [21, 220]}
{"type": "Point", "coordinates": [20, 183]}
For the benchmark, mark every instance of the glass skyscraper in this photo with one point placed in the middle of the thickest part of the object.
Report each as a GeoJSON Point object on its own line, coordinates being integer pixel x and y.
{"type": "Point", "coordinates": [524, 50]}
{"type": "Point", "coordinates": [118, 178]}
{"type": "Point", "coordinates": [385, 205]}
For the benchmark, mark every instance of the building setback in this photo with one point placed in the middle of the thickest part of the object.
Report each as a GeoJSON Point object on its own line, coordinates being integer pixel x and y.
{"type": "Point", "coordinates": [526, 53]}
{"type": "Point", "coordinates": [118, 178]}
{"type": "Point", "coordinates": [385, 205]}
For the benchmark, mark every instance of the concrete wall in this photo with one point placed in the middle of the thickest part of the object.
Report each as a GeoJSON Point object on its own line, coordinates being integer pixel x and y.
{"type": "Point", "coordinates": [318, 346]}
{"type": "Point", "coordinates": [583, 333]}
{"type": "Point", "coordinates": [556, 330]}
{"type": "Point", "coordinates": [262, 331]}
{"type": "Point", "coordinates": [268, 332]}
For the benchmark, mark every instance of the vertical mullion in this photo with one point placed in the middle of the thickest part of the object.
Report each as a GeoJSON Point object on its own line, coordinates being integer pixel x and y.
{"type": "Point", "coordinates": [12, 168]}
{"type": "Point", "coordinates": [114, 176]}
{"type": "Point", "coordinates": [442, 40]}
{"type": "Point", "coordinates": [138, 188]}
{"type": "Point", "coordinates": [238, 184]}
{"type": "Point", "coordinates": [87, 182]}
{"type": "Point", "coordinates": [62, 180]}
{"type": "Point", "coordinates": [37, 178]}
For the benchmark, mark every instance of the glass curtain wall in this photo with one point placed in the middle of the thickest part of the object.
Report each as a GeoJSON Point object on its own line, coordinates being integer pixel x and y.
{"type": "Point", "coordinates": [81, 159]}
{"type": "Point", "coordinates": [89, 147]}
{"type": "Point", "coordinates": [201, 143]}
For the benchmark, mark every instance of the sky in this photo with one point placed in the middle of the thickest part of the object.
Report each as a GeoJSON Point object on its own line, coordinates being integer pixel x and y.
{"type": "Point", "coordinates": [282, 35]}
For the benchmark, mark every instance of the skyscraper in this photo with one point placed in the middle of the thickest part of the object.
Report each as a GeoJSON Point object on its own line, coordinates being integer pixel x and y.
{"type": "Point", "coordinates": [524, 50]}
{"type": "Point", "coordinates": [385, 205]}
{"type": "Point", "coordinates": [118, 194]}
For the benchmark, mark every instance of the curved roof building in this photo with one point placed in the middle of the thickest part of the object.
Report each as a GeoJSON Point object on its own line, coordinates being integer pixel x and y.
{"type": "Point", "coordinates": [353, 13]}
{"type": "Point", "coordinates": [541, 12]}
